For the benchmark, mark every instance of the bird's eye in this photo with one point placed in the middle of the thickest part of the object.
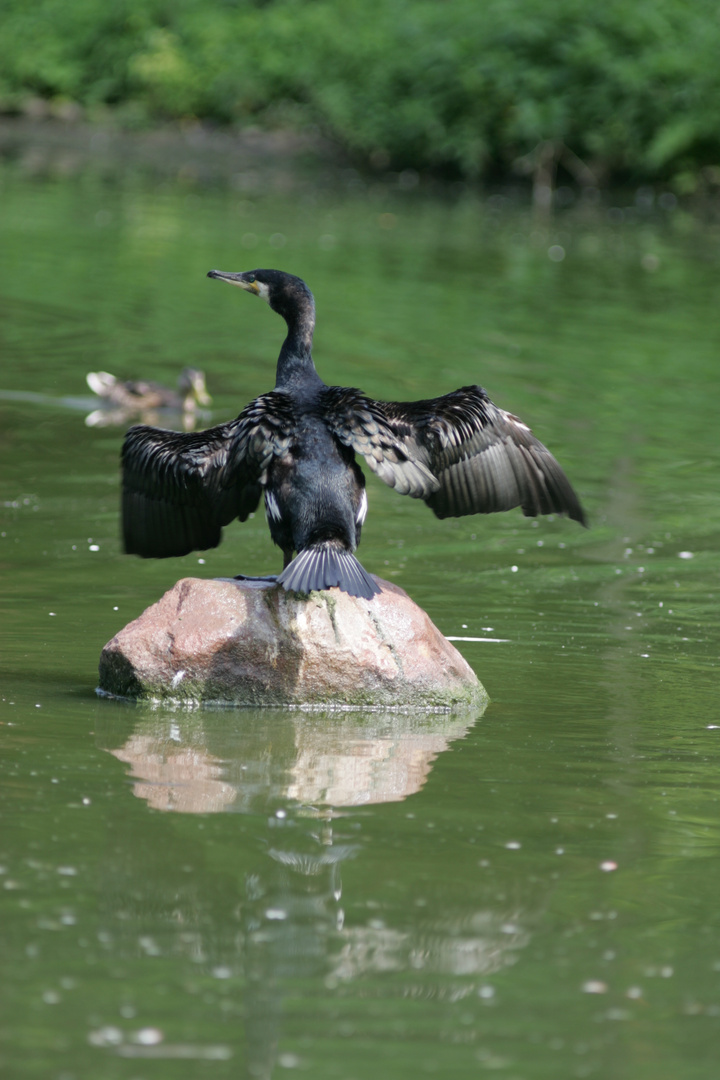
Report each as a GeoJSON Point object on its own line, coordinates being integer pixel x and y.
{"type": "Point", "coordinates": [250, 278]}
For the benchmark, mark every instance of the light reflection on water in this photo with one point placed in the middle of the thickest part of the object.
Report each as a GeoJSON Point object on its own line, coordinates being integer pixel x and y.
{"type": "Point", "coordinates": [531, 891]}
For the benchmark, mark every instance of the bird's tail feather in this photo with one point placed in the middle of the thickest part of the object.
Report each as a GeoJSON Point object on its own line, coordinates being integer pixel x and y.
{"type": "Point", "coordinates": [324, 565]}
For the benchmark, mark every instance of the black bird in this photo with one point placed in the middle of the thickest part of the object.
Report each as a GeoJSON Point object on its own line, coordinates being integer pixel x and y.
{"type": "Point", "coordinates": [296, 445]}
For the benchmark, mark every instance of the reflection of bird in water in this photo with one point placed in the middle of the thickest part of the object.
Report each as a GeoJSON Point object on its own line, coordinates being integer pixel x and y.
{"type": "Point", "coordinates": [296, 446]}
{"type": "Point", "coordinates": [141, 397]}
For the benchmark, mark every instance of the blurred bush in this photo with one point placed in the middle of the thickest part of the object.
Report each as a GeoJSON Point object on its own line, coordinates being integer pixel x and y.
{"type": "Point", "coordinates": [462, 86]}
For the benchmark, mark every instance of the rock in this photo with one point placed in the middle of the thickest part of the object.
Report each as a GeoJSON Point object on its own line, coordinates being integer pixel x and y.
{"type": "Point", "coordinates": [253, 643]}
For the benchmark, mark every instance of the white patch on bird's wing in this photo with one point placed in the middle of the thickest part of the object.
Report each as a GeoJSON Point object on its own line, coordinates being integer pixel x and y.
{"type": "Point", "coordinates": [362, 508]}
{"type": "Point", "coordinates": [271, 507]}
{"type": "Point", "coordinates": [515, 420]}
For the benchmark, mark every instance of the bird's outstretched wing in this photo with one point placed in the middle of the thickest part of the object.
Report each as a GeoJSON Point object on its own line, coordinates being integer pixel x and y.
{"type": "Point", "coordinates": [392, 450]}
{"type": "Point", "coordinates": [180, 489]}
{"type": "Point", "coordinates": [460, 453]}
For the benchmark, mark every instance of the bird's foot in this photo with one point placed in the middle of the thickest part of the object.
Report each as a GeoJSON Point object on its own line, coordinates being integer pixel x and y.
{"type": "Point", "coordinates": [255, 577]}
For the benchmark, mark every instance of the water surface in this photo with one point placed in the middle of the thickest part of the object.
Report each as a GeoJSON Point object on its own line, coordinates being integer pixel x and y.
{"type": "Point", "coordinates": [531, 892]}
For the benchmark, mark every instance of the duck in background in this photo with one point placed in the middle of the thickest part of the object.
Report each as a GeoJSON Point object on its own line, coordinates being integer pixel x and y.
{"type": "Point", "coordinates": [141, 398]}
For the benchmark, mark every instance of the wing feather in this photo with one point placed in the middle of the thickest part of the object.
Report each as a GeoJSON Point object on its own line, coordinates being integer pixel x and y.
{"type": "Point", "coordinates": [460, 453]}
{"type": "Point", "coordinates": [392, 452]}
{"type": "Point", "coordinates": [181, 488]}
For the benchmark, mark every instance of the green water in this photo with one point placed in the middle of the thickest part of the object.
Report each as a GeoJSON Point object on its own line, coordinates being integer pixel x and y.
{"type": "Point", "coordinates": [531, 893]}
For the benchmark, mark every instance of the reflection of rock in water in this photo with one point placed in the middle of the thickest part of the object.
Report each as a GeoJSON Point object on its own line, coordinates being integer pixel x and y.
{"type": "Point", "coordinates": [380, 760]}
{"type": "Point", "coordinates": [175, 777]}
{"type": "Point", "coordinates": [198, 763]}
{"type": "Point", "coordinates": [287, 925]}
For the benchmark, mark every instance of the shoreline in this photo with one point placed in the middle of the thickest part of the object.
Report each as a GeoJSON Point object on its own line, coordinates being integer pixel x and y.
{"type": "Point", "coordinates": [194, 153]}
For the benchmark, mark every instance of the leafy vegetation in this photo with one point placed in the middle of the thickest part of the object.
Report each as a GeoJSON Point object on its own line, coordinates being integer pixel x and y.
{"type": "Point", "coordinates": [465, 87]}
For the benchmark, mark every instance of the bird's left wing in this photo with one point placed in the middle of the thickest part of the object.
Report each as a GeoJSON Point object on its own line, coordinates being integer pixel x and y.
{"type": "Point", "coordinates": [180, 489]}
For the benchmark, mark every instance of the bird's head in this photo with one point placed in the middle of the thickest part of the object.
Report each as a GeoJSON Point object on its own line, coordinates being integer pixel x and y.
{"type": "Point", "coordinates": [192, 385]}
{"type": "Point", "coordinates": [286, 294]}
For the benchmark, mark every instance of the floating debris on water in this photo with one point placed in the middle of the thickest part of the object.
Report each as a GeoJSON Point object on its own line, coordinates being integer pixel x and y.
{"type": "Point", "coordinates": [148, 1036]}
{"type": "Point", "coordinates": [594, 986]}
{"type": "Point", "coordinates": [495, 639]}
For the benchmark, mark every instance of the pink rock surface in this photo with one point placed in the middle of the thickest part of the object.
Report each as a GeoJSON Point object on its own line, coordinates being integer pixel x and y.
{"type": "Point", "coordinates": [253, 643]}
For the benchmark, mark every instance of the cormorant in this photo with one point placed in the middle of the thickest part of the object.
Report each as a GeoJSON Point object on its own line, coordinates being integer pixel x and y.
{"type": "Point", "coordinates": [140, 395]}
{"type": "Point", "coordinates": [296, 446]}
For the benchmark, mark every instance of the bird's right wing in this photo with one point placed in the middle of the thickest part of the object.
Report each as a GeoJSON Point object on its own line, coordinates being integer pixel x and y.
{"type": "Point", "coordinates": [391, 449]}
{"type": "Point", "coordinates": [180, 489]}
{"type": "Point", "coordinates": [485, 459]}
{"type": "Point", "coordinates": [459, 452]}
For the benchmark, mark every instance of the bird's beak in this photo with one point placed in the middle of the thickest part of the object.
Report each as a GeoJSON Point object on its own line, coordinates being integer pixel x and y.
{"type": "Point", "coordinates": [239, 279]}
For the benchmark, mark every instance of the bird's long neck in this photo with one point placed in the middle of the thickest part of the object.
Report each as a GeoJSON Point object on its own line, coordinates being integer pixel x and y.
{"type": "Point", "coordinates": [295, 363]}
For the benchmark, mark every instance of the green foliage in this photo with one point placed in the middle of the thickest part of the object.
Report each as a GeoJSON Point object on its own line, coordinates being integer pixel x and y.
{"type": "Point", "coordinates": [461, 86]}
